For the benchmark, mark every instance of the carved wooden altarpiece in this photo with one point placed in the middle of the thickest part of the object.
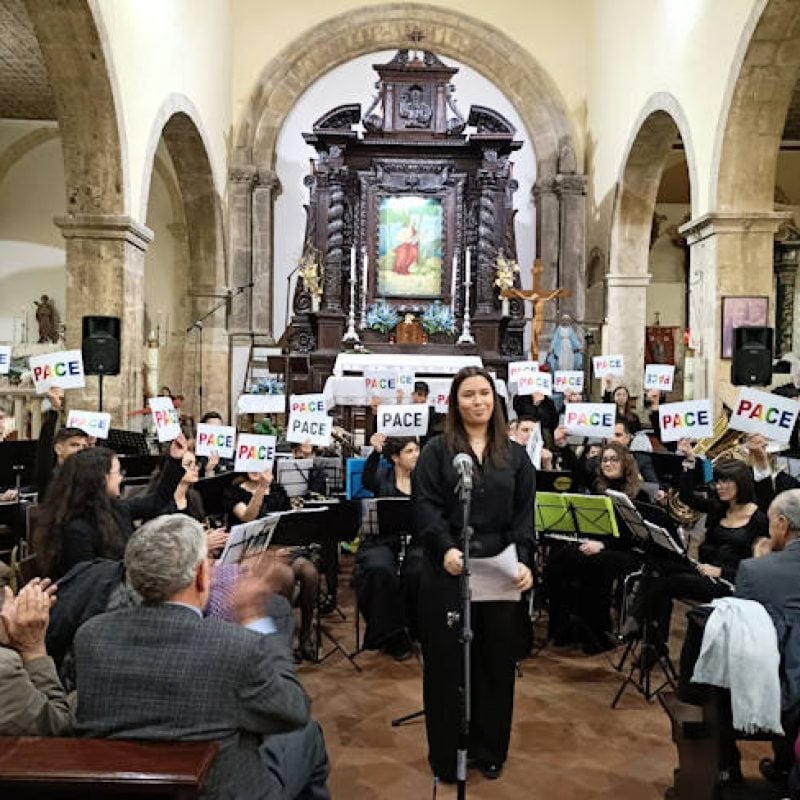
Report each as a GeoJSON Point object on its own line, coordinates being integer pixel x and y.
{"type": "Point", "coordinates": [406, 197]}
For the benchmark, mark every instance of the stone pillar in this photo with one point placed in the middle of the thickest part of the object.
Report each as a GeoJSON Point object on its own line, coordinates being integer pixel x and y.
{"type": "Point", "coordinates": [241, 181]}
{"type": "Point", "coordinates": [730, 254]}
{"type": "Point", "coordinates": [786, 260]}
{"type": "Point", "coordinates": [627, 307]}
{"type": "Point", "coordinates": [266, 189]}
{"type": "Point", "coordinates": [571, 193]}
{"type": "Point", "coordinates": [548, 230]}
{"type": "Point", "coordinates": [105, 275]}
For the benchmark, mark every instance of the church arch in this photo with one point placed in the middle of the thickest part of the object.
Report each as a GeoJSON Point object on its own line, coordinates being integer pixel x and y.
{"type": "Point", "coordinates": [448, 33]}
{"type": "Point", "coordinates": [764, 75]}
{"type": "Point", "coordinates": [18, 149]}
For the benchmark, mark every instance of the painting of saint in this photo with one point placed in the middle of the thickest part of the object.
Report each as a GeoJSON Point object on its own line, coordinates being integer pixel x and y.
{"type": "Point", "coordinates": [410, 246]}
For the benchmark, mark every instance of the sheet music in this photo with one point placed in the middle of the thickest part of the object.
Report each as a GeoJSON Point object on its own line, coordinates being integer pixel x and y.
{"type": "Point", "coordinates": [493, 578]}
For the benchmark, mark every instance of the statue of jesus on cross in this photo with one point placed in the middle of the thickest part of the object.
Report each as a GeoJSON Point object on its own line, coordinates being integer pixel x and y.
{"type": "Point", "coordinates": [538, 296]}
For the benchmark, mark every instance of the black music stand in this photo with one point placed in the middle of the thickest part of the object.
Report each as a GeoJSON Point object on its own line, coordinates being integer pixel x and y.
{"type": "Point", "coordinates": [293, 474]}
{"type": "Point", "coordinates": [213, 490]}
{"type": "Point", "coordinates": [334, 474]}
{"type": "Point", "coordinates": [130, 443]}
{"type": "Point", "coordinates": [308, 527]}
{"type": "Point", "coordinates": [643, 652]}
{"type": "Point", "coordinates": [17, 453]}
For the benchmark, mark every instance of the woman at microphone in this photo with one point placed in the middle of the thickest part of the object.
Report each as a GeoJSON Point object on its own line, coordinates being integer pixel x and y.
{"type": "Point", "coordinates": [504, 487]}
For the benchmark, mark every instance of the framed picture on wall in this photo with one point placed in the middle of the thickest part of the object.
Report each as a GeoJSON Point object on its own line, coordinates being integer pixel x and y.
{"type": "Point", "coordinates": [741, 312]}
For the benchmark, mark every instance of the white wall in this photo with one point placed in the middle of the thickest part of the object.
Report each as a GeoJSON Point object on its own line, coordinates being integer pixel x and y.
{"type": "Point", "coordinates": [32, 254]}
{"type": "Point", "coordinates": [173, 52]}
{"type": "Point", "coordinates": [353, 82]}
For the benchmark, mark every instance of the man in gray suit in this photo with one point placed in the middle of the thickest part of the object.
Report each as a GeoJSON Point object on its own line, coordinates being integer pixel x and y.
{"type": "Point", "coordinates": [161, 671]}
{"type": "Point", "coordinates": [774, 580]}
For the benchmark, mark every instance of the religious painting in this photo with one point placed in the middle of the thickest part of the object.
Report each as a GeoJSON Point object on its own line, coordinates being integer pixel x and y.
{"type": "Point", "coordinates": [741, 312]}
{"type": "Point", "coordinates": [659, 345]}
{"type": "Point", "coordinates": [410, 247]}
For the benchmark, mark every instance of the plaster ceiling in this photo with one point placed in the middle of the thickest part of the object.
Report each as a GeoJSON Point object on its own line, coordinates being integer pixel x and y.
{"type": "Point", "coordinates": [25, 91]}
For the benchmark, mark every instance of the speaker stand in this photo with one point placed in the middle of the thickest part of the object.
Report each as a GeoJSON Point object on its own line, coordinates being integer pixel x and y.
{"type": "Point", "coordinates": [100, 392]}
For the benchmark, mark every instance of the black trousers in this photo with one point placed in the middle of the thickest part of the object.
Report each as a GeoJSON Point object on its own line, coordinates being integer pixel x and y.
{"type": "Point", "coordinates": [579, 590]}
{"type": "Point", "coordinates": [492, 667]}
{"type": "Point", "coordinates": [379, 594]}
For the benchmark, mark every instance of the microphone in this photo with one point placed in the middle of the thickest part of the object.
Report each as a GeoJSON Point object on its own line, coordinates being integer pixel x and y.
{"type": "Point", "coordinates": [462, 464]}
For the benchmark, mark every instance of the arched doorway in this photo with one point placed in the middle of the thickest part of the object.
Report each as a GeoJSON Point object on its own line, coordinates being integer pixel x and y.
{"type": "Point", "coordinates": [559, 191]}
{"type": "Point", "coordinates": [660, 126]}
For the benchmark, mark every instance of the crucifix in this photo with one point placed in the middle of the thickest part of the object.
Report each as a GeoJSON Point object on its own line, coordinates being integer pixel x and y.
{"type": "Point", "coordinates": [538, 296]}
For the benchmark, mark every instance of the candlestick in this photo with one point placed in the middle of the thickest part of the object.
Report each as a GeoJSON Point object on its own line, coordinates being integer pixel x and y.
{"type": "Point", "coordinates": [466, 332]}
{"type": "Point", "coordinates": [364, 275]}
{"type": "Point", "coordinates": [453, 273]}
{"type": "Point", "coordinates": [468, 276]}
{"type": "Point", "coordinates": [352, 265]}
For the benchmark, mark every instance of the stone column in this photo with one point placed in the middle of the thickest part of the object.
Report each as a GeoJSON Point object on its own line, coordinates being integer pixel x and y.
{"type": "Point", "coordinates": [786, 261]}
{"type": "Point", "coordinates": [105, 276]}
{"type": "Point", "coordinates": [241, 181]}
{"type": "Point", "coordinates": [548, 230]}
{"type": "Point", "coordinates": [266, 189]}
{"type": "Point", "coordinates": [571, 192]}
{"type": "Point", "coordinates": [627, 307]}
{"type": "Point", "coordinates": [730, 254]}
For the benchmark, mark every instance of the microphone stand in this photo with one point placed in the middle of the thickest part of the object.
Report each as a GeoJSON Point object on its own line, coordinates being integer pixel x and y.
{"type": "Point", "coordinates": [198, 326]}
{"type": "Point", "coordinates": [464, 616]}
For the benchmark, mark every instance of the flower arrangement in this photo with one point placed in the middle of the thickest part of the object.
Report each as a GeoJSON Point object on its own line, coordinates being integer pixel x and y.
{"type": "Point", "coordinates": [504, 271]}
{"type": "Point", "coordinates": [267, 427]}
{"type": "Point", "coordinates": [311, 272]}
{"type": "Point", "coordinates": [381, 317]}
{"type": "Point", "coordinates": [268, 386]}
{"type": "Point", "coordinates": [438, 318]}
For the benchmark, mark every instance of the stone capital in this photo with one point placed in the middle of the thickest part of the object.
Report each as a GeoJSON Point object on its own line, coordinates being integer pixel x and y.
{"type": "Point", "coordinates": [622, 280]}
{"type": "Point", "coordinates": [268, 179]}
{"type": "Point", "coordinates": [570, 184]}
{"type": "Point", "coordinates": [105, 226]}
{"type": "Point", "coordinates": [245, 175]}
{"type": "Point", "coordinates": [729, 222]}
{"type": "Point", "coordinates": [542, 187]}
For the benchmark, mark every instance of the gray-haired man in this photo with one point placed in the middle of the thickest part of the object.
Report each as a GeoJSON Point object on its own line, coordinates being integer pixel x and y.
{"type": "Point", "coordinates": [161, 671]}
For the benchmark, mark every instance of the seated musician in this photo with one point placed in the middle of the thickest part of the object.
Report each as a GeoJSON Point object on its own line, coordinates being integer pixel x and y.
{"type": "Point", "coordinates": [582, 614]}
{"type": "Point", "coordinates": [213, 465]}
{"type": "Point", "coordinates": [734, 523]}
{"type": "Point", "coordinates": [387, 602]}
{"type": "Point", "coordinates": [256, 496]}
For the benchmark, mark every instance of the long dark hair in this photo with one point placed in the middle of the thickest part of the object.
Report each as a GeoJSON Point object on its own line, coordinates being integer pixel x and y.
{"type": "Point", "coordinates": [79, 490]}
{"type": "Point", "coordinates": [496, 432]}
{"type": "Point", "coordinates": [737, 471]}
{"type": "Point", "coordinates": [631, 481]}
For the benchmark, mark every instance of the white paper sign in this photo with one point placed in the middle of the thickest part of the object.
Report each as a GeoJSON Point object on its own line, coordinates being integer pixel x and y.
{"type": "Point", "coordinates": [93, 423]}
{"type": "Point", "coordinates": [64, 369]}
{"type": "Point", "coordinates": [221, 438]}
{"type": "Point", "coordinates": [313, 428]}
{"type": "Point", "coordinates": [530, 382]}
{"type": "Point", "coordinates": [441, 399]}
{"type": "Point", "coordinates": [659, 376]}
{"type": "Point", "coordinates": [254, 452]}
{"type": "Point", "coordinates": [307, 404]}
{"type": "Point", "coordinates": [381, 383]}
{"type": "Point", "coordinates": [769, 414]}
{"type": "Point", "coordinates": [405, 383]}
{"type": "Point", "coordinates": [261, 404]}
{"type": "Point", "coordinates": [590, 419]}
{"type": "Point", "coordinates": [165, 418]}
{"type": "Point", "coordinates": [608, 365]}
{"type": "Point", "coordinates": [691, 419]}
{"type": "Point", "coordinates": [405, 420]}
{"type": "Point", "coordinates": [517, 368]}
{"type": "Point", "coordinates": [5, 358]}
{"type": "Point", "coordinates": [568, 381]}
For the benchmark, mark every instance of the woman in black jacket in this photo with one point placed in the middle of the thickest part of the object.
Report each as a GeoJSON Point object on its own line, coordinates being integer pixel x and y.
{"type": "Point", "coordinates": [388, 606]}
{"type": "Point", "coordinates": [83, 517]}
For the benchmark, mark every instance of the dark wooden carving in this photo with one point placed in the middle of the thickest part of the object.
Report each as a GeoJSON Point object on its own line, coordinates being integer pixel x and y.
{"type": "Point", "coordinates": [416, 144]}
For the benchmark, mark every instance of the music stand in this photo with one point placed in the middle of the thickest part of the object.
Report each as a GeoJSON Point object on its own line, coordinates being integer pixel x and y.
{"type": "Point", "coordinates": [17, 453]}
{"type": "Point", "coordinates": [213, 490]}
{"type": "Point", "coordinates": [307, 527]}
{"type": "Point", "coordinates": [248, 537]}
{"type": "Point", "coordinates": [332, 467]}
{"type": "Point", "coordinates": [293, 473]}
{"type": "Point", "coordinates": [129, 443]}
{"type": "Point", "coordinates": [642, 650]}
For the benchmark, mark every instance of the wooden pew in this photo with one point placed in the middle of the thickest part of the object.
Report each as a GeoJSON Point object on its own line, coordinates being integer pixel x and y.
{"type": "Point", "coordinates": [69, 769]}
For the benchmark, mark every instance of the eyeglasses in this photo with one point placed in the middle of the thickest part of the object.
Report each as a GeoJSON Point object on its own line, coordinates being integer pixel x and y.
{"type": "Point", "coordinates": [610, 460]}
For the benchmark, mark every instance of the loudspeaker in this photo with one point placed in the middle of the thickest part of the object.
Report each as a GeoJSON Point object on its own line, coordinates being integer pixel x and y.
{"type": "Point", "coordinates": [752, 357]}
{"type": "Point", "coordinates": [100, 345]}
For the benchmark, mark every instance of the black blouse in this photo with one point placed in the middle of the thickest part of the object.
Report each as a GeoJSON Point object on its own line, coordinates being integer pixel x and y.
{"type": "Point", "coordinates": [380, 480]}
{"type": "Point", "coordinates": [502, 503]}
{"type": "Point", "coordinates": [276, 500]}
{"type": "Point", "coordinates": [723, 547]}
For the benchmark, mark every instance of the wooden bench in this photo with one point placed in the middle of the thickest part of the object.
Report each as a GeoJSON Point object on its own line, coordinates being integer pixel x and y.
{"type": "Point", "coordinates": [61, 768]}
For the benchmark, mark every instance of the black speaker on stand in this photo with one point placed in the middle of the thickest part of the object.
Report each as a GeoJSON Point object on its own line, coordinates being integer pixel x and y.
{"type": "Point", "coordinates": [100, 347]}
{"type": "Point", "coordinates": [752, 357]}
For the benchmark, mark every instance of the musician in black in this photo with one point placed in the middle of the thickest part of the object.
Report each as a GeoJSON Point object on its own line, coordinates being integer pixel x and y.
{"type": "Point", "coordinates": [384, 596]}
{"type": "Point", "coordinates": [501, 514]}
{"type": "Point", "coordinates": [579, 578]}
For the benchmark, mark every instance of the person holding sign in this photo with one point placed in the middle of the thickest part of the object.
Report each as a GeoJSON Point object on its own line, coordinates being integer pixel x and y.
{"type": "Point", "coordinates": [734, 524]}
{"type": "Point", "coordinates": [621, 398]}
{"type": "Point", "coordinates": [256, 496]}
{"type": "Point", "coordinates": [501, 515]}
{"type": "Point", "coordinates": [83, 517]}
{"type": "Point", "coordinates": [379, 589]}
{"type": "Point", "coordinates": [579, 577]}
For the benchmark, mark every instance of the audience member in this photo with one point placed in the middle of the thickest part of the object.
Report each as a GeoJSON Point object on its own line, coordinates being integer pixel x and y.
{"type": "Point", "coordinates": [621, 398]}
{"type": "Point", "coordinates": [32, 699]}
{"type": "Point", "coordinates": [161, 671]}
